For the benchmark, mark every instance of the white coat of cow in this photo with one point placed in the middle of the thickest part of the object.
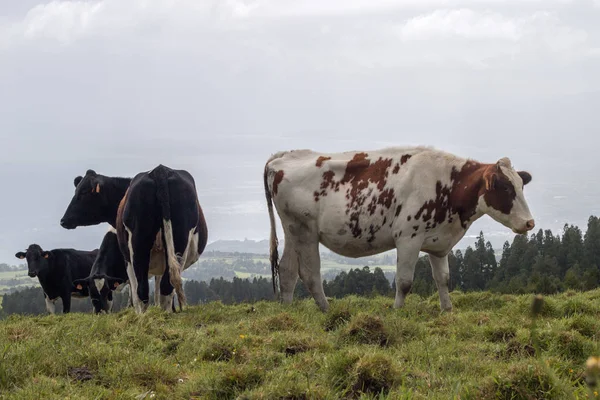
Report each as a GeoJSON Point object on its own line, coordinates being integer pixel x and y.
{"type": "Point", "coordinates": [362, 203]}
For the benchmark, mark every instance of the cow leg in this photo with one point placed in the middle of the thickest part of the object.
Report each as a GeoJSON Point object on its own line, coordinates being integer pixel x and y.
{"type": "Point", "coordinates": [167, 292]}
{"type": "Point", "coordinates": [109, 301]}
{"type": "Point", "coordinates": [157, 280]}
{"type": "Point", "coordinates": [50, 306]}
{"type": "Point", "coordinates": [407, 256]}
{"type": "Point", "coordinates": [140, 243]}
{"type": "Point", "coordinates": [310, 273]}
{"type": "Point", "coordinates": [66, 300]}
{"type": "Point", "coordinates": [288, 272]}
{"type": "Point", "coordinates": [181, 241]}
{"type": "Point", "coordinates": [441, 273]}
{"type": "Point", "coordinates": [130, 294]}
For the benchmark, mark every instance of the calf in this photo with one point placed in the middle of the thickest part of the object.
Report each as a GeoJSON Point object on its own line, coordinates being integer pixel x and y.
{"type": "Point", "coordinates": [162, 201]}
{"type": "Point", "coordinates": [107, 273]}
{"type": "Point", "coordinates": [359, 203]}
{"type": "Point", "coordinates": [56, 270]}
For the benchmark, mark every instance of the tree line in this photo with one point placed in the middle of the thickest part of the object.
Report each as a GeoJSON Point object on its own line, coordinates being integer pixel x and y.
{"type": "Point", "coordinates": [543, 262]}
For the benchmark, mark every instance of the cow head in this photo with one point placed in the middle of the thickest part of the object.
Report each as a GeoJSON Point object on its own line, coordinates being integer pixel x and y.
{"type": "Point", "coordinates": [100, 288]}
{"type": "Point", "coordinates": [89, 203]}
{"type": "Point", "coordinates": [37, 260]}
{"type": "Point", "coordinates": [503, 198]}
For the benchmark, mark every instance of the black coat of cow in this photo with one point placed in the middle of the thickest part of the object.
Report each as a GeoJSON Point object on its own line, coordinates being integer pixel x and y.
{"type": "Point", "coordinates": [107, 273]}
{"type": "Point", "coordinates": [56, 270]}
{"type": "Point", "coordinates": [162, 200]}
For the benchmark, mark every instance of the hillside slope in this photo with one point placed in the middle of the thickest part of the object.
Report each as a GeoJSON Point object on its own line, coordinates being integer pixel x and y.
{"type": "Point", "coordinates": [482, 350]}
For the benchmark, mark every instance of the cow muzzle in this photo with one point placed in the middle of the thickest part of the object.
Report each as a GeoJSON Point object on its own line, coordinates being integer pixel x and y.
{"type": "Point", "coordinates": [67, 224]}
{"type": "Point", "coordinates": [529, 225]}
{"type": "Point", "coordinates": [32, 274]}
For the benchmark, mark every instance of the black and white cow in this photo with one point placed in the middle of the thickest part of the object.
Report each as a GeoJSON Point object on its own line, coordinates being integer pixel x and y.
{"type": "Point", "coordinates": [107, 274]}
{"type": "Point", "coordinates": [56, 270]}
{"type": "Point", "coordinates": [162, 203]}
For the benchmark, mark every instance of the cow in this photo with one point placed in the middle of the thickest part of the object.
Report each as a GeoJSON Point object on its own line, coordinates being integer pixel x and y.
{"type": "Point", "coordinates": [106, 275]}
{"type": "Point", "coordinates": [109, 272]}
{"type": "Point", "coordinates": [56, 270]}
{"type": "Point", "coordinates": [162, 200]}
{"type": "Point", "coordinates": [361, 203]}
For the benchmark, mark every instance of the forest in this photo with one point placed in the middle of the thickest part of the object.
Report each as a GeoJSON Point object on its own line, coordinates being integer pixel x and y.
{"type": "Point", "coordinates": [543, 262]}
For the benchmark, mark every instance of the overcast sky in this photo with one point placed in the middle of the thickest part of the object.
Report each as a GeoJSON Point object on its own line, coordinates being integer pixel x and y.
{"type": "Point", "coordinates": [216, 87]}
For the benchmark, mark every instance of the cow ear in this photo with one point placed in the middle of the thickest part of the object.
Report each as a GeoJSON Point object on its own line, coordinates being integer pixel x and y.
{"type": "Point", "coordinates": [526, 176]}
{"type": "Point", "coordinates": [114, 283]}
{"type": "Point", "coordinates": [490, 181]}
{"type": "Point", "coordinates": [20, 255]}
{"type": "Point", "coordinates": [80, 284]}
{"type": "Point", "coordinates": [96, 189]}
{"type": "Point", "coordinates": [77, 180]}
{"type": "Point", "coordinates": [46, 254]}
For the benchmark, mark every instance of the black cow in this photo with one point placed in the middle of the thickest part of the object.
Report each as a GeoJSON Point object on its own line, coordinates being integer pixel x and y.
{"type": "Point", "coordinates": [56, 270]}
{"type": "Point", "coordinates": [159, 203]}
{"type": "Point", "coordinates": [108, 272]}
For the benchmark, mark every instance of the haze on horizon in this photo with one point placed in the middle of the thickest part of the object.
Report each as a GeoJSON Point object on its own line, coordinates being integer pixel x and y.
{"type": "Point", "coordinates": [216, 87]}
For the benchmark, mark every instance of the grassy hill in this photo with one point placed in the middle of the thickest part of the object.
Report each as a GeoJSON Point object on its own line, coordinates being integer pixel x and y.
{"type": "Point", "coordinates": [361, 348]}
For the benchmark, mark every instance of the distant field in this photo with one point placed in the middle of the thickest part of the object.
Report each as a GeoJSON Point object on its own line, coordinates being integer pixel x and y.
{"type": "Point", "coordinates": [248, 275]}
{"type": "Point", "coordinates": [326, 265]}
{"type": "Point", "coordinates": [13, 274]}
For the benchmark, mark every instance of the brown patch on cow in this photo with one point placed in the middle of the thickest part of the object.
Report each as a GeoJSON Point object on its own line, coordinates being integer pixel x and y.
{"type": "Point", "coordinates": [277, 180]}
{"type": "Point", "coordinates": [398, 209]}
{"type": "Point", "coordinates": [372, 206]}
{"type": "Point", "coordinates": [413, 235]}
{"type": "Point", "coordinates": [121, 232]}
{"type": "Point", "coordinates": [386, 197]}
{"type": "Point", "coordinates": [321, 160]}
{"type": "Point", "coordinates": [416, 227]}
{"type": "Point", "coordinates": [372, 231]}
{"type": "Point", "coordinates": [461, 197]}
{"type": "Point", "coordinates": [396, 168]}
{"type": "Point", "coordinates": [327, 183]}
{"type": "Point", "coordinates": [408, 218]}
{"type": "Point", "coordinates": [359, 173]}
{"type": "Point", "coordinates": [404, 159]}
{"type": "Point", "coordinates": [158, 243]}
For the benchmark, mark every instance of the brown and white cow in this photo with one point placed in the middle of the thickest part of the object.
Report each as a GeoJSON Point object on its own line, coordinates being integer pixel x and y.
{"type": "Point", "coordinates": [358, 204]}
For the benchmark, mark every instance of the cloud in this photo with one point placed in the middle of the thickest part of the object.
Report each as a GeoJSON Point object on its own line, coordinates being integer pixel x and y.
{"type": "Point", "coordinates": [463, 23]}
{"type": "Point", "coordinates": [480, 39]}
{"type": "Point", "coordinates": [68, 21]}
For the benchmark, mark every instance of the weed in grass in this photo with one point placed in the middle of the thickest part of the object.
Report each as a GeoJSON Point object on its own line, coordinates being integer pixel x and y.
{"type": "Point", "coordinates": [371, 373]}
{"type": "Point", "coordinates": [337, 316]}
{"type": "Point", "coordinates": [367, 329]}
{"type": "Point", "coordinates": [524, 381]}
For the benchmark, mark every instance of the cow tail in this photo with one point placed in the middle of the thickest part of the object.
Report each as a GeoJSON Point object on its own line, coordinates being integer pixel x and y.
{"type": "Point", "coordinates": [173, 263]}
{"type": "Point", "coordinates": [273, 242]}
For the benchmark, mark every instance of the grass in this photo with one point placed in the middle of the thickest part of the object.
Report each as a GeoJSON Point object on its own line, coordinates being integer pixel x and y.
{"type": "Point", "coordinates": [361, 349]}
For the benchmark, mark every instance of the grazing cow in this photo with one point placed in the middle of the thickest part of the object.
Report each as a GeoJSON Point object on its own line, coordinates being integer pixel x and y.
{"type": "Point", "coordinates": [159, 201]}
{"type": "Point", "coordinates": [363, 203]}
{"type": "Point", "coordinates": [107, 273]}
{"type": "Point", "coordinates": [56, 270]}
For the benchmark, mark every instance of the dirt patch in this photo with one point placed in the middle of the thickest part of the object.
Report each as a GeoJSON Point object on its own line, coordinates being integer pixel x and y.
{"type": "Point", "coordinates": [80, 374]}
